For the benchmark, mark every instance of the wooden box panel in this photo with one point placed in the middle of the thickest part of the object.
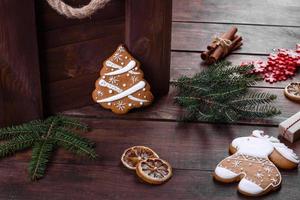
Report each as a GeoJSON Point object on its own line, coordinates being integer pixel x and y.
{"type": "Point", "coordinates": [72, 51]}
{"type": "Point", "coordinates": [20, 91]}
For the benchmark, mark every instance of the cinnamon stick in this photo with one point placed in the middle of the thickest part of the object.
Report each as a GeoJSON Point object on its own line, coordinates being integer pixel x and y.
{"type": "Point", "coordinates": [228, 35]}
{"type": "Point", "coordinates": [205, 55]}
{"type": "Point", "coordinates": [218, 53]}
{"type": "Point", "coordinates": [236, 43]}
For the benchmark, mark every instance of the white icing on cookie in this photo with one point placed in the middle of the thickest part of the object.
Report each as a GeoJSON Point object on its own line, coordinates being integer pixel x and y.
{"type": "Point", "coordinates": [253, 146]}
{"type": "Point", "coordinates": [225, 173]}
{"type": "Point", "coordinates": [280, 147]}
{"type": "Point", "coordinates": [103, 83]}
{"type": "Point", "coordinates": [249, 187]}
{"type": "Point", "coordinates": [286, 152]}
{"type": "Point", "coordinates": [116, 66]}
{"type": "Point", "coordinates": [261, 145]}
{"type": "Point", "coordinates": [125, 93]}
{"type": "Point", "coordinates": [127, 68]}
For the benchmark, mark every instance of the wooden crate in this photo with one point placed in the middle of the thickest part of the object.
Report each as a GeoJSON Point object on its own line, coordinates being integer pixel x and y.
{"type": "Point", "coordinates": [61, 74]}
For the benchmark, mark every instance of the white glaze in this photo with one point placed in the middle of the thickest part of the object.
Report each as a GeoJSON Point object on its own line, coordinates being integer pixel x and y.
{"type": "Point", "coordinates": [225, 173]}
{"type": "Point", "coordinates": [103, 83]}
{"type": "Point", "coordinates": [116, 66]}
{"type": "Point", "coordinates": [127, 68]}
{"type": "Point", "coordinates": [253, 146]}
{"type": "Point", "coordinates": [280, 147]}
{"type": "Point", "coordinates": [125, 93]}
{"type": "Point", "coordinates": [249, 187]}
{"type": "Point", "coordinates": [261, 145]}
{"type": "Point", "coordinates": [113, 65]}
{"type": "Point", "coordinates": [286, 152]}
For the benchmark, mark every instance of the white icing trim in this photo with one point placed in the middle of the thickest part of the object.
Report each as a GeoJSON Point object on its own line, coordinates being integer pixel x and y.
{"type": "Point", "coordinates": [280, 147]}
{"type": "Point", "coordinates": [137, 99]}
{"type": "Point", "coordinates": [125, 93]}
{"type": "Point", "coordinates": [286, 152]}
{"type": "Point", "coordinates": [113, 65]}
{"type": "Point", "coordinates": [249, 187]}
{"type": "Point", "coordinates": [225, 173]}
{"type": "Point", "coordinates": [253, 146]}
{"type": "Point", "coordinates": [103, 83]}
{"type": "Point", "coordinates": [127, 68]}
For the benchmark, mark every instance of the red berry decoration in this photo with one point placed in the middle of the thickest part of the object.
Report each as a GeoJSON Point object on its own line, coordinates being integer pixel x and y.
{"type": "Point", "coordinates": [279, 67]}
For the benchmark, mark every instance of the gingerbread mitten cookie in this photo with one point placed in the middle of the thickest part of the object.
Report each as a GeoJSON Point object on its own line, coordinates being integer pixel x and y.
{"type": "Point", "coordinates": [254, 162]}
{"type": "Point", "coordinates": [121, 86]}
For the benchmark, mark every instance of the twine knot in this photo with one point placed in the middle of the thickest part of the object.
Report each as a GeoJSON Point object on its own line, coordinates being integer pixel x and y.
{"type": "Point", "coordinates": [224, 43]}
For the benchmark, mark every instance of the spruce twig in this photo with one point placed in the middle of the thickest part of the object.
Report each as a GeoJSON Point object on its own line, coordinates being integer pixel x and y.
{"type": "Point", "coordinates": [44, 137]}
{"type": "Point", "coordinates": [221, 94]}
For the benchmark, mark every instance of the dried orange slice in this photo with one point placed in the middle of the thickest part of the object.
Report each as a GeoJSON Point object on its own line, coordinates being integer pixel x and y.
{"type": "Point", "coordinates": [154, 170]}
{"type": "Point", "coordinates": [292, 91]}
{"type": "Point", "coordinates": [132, 156]}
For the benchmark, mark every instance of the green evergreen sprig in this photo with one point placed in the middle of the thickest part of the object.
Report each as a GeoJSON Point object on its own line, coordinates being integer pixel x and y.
{"type": "Point", "coordinates": [221, 94]}
{"type": "Point", "coordinates": [44, 136]}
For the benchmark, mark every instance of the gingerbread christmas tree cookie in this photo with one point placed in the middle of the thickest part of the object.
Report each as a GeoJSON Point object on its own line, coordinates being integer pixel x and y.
{"type": "Point", "coordinates": [121, 86]}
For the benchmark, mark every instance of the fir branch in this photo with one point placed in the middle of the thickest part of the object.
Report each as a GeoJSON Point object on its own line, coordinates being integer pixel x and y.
{"type": "Point", "coordinates": [41, 153]}
{"type": "Point", "coordinates": [10, 132]}
{"type": "Point", "coordinates": [44, 136]}
{"type": "Point", "coordinates": [72, 143]}
{"type": "Point", "coordinates": [71, 123]}
{"type": "Point", "coordinates": [20, 142]}
{"type": "Point", "coordinates": [221, 93]}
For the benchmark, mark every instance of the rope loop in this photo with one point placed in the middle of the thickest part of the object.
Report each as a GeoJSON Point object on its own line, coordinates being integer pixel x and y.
{"type": "Point", "coordinates": [77, 13]}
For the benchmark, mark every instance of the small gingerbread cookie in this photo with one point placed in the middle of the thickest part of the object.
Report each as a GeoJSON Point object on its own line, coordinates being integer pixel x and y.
{"type": "Point", "coordinates": [254, 162]}
{"type": "Point", "coordinates": [121, 86]}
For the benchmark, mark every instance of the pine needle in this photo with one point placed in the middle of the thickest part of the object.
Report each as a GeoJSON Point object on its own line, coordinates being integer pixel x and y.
{"type": "Point", "coordinates": [221, 94]}
{"type": "Point", "coordinates": [44, 136]}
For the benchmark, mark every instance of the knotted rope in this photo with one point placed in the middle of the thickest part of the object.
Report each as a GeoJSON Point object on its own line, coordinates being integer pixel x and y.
{"type": "Point", "coordinates": [79, 13]}
{"type": "Point", "coordinates": [224, 43]}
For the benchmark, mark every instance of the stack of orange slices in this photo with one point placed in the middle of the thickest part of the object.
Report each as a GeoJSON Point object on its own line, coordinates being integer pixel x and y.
{"type": "Point", "coordinates": [147, 164]}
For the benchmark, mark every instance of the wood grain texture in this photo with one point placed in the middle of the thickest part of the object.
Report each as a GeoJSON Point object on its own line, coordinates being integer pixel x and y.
{"type": "Point", "coordinates": [203, 147]}
{"type": "Point", "coordinates": [164, 109]}
{"type": "Point", "coordinates": [256, 39]}
{"type": "Point", "coordinates": [201, 142]}
{"type": "Point", "coordinates": [116, 183]}
{"type": "Point", "coordinates": [277, 12]}
{"type": "Point", "coordinates": [148, 37]}
{"type": "Point", "coordinates": [81, 58]}
{"type": "Point", "coordinates": [20, 88]}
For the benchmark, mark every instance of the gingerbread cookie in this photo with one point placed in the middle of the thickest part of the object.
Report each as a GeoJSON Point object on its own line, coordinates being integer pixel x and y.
{"type": "Point", "coordinates": [254, 164]}
{"type": "Point", "coordinates": [121, 86]}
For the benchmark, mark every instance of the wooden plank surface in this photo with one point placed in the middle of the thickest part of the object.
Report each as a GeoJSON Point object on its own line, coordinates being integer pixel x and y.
{"type": "Point", "coordinates": [193, 149]}
{"type": "Point", "coordinates": [275, 12]}
{"type": "Point", "coordinates": [164, 108]}
{"type": "Point", "coordinates": [106, 178]}
{"type": "Point", "coordinates": [20, 87]}
{"type": "Point", "coordinates": [256, 39]}
{"type": "Point", "coordinates": [116, 183]}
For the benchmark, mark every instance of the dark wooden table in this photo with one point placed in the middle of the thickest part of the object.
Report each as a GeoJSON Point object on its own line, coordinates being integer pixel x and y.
{"type": "Point", "coordinates": [193, 149]}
